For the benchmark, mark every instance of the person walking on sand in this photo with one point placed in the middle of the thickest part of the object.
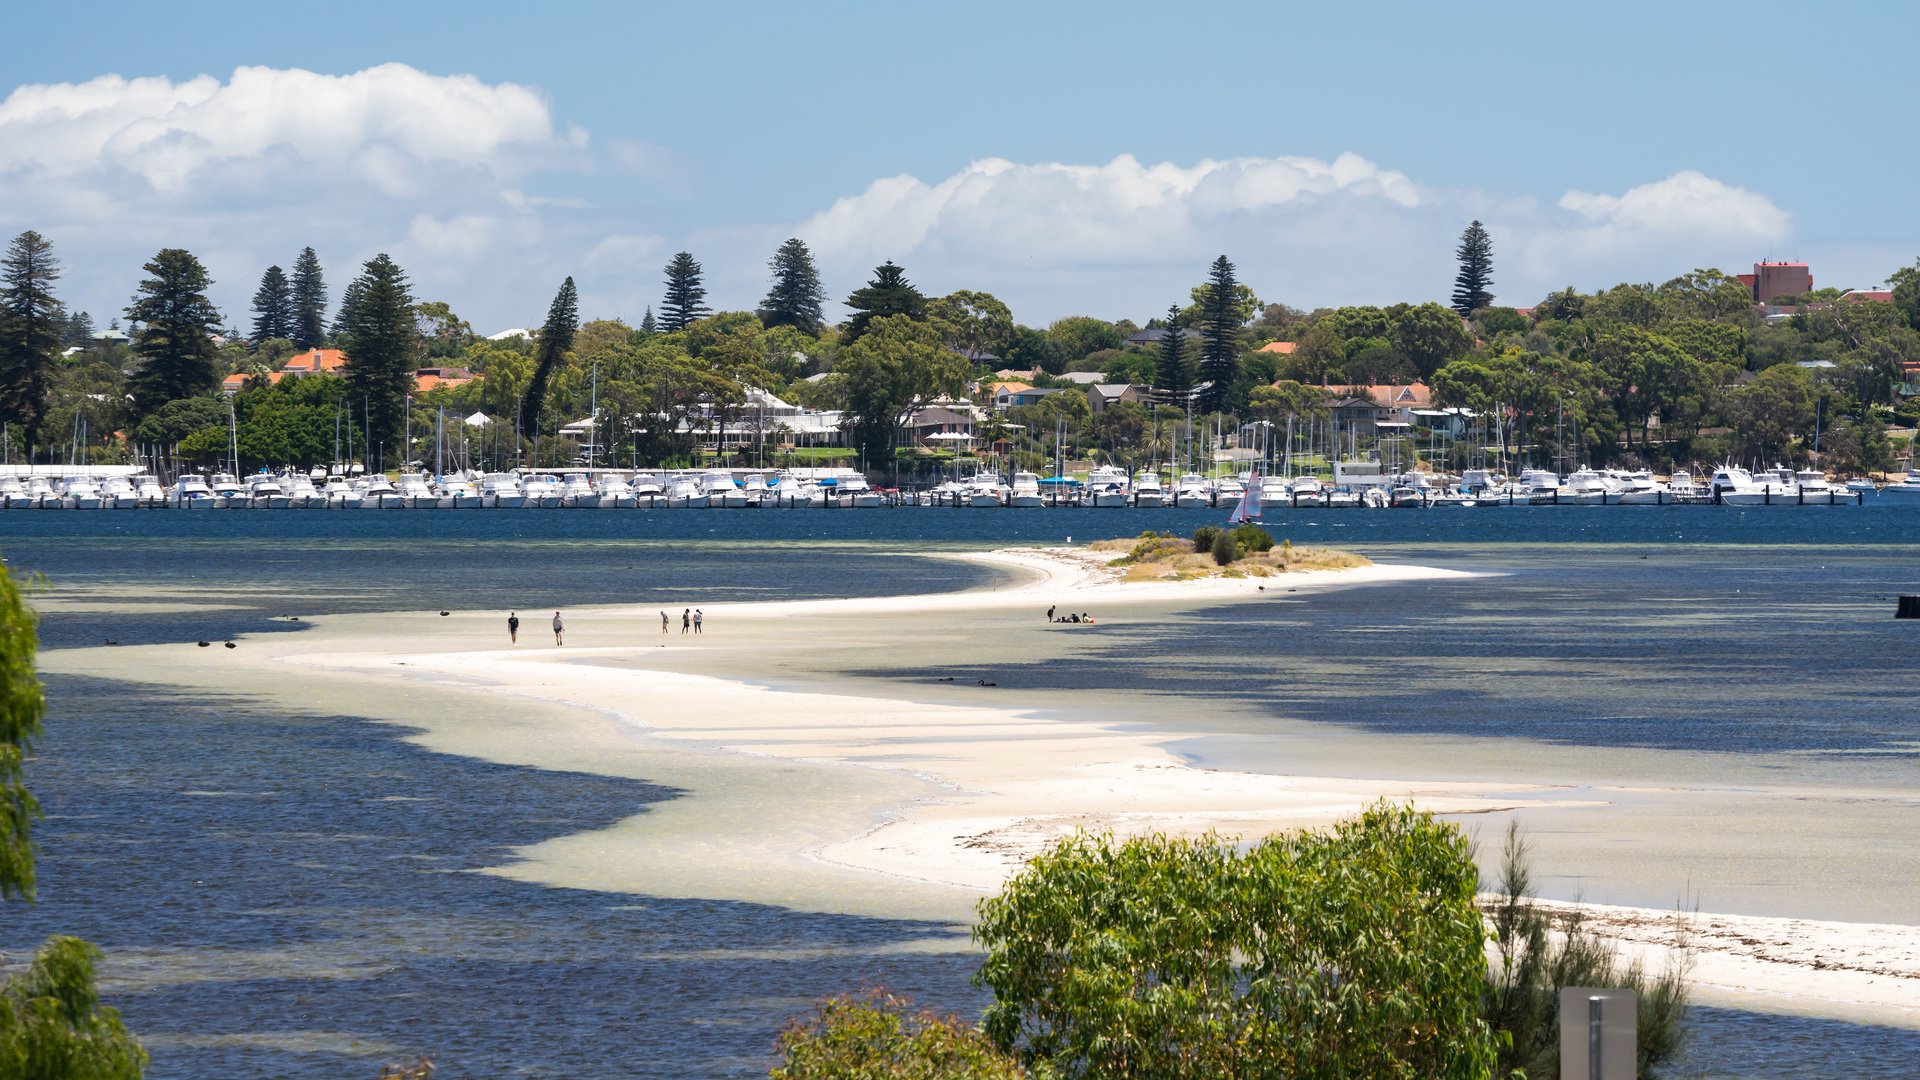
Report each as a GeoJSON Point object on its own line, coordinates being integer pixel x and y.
{"type": "Point", "coordinates": [513, 628]}
{"type": "Point", "coordinates": [559, 630]}
{"type": "Point", "coordinates": [696, 622]}
{"type": "Point", "coordinates": [663, 622]}
{"type": "Point", "coordinates": [686, 619]}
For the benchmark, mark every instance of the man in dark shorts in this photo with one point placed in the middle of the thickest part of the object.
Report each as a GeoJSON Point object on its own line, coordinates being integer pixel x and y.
{"type": "Point", "coordinates": [513, 628]}
{"type": "Point", "coordinates": [686, 620]}
{"type": "Point", "coordinates": [559, 628]}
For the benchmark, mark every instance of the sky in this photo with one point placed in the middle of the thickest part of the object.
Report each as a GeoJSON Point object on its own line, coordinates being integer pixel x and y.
{"type": "Point", "coordinates": [1071, 159]}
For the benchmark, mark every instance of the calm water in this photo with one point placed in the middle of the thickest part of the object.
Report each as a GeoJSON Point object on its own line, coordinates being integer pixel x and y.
{"type": "Point", "coordinates": [283, 895]}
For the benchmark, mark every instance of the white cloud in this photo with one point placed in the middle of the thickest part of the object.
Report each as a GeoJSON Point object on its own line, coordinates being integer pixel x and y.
{"type": "Point", "coordinates": [1126, 238]}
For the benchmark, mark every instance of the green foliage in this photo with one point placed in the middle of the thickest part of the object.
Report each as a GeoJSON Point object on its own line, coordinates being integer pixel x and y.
{"type": "Point", "coordinates": [31, 330]}
{"type": "Point", "coordinates": [1352, 953]}
{"type": "Point", "coordinates": [1220, 325]}
{"type": "Point", "coordinates": [1251, 538]}
{"type": "Point", "coordinates": [309, 301]}
{"type": "Point", "coordinates": [556, 338]}
{"type": "Point", "coordinates": [888, 294]}
{"type": "Point", "coordinates": [1540, 952]}
{"type": "Point", "coordinates": [879, 1037]}
{"type": "Point", "coordinates": [1428, 335]}
{"type": "Point", "coordinates": [443, 334]}
{"type": "Point", "coordinates": [1172, 375]}
{"type": "Point", "coordinates": [178, 419]}
{"type": "Point", "coordinates": [686, 297]}
{"type": "Point", "coordinates": [1226, 548]}
{"type": "Point", "coordinates": [291, 422]}
{"type": "Point", "coordinates": [1204, 536]}
{"type": "Point", "coordinates": [272, 307]}
{"type": "Point", "coordinates": [1076, 336]}
{"type": "Point", "coordinates": [377, 331]}
{"type": "Point", "coordinates": [53, 1027]}
{"type": "Point", "coordinates": [1472, 285]}
{"type": "Point", "coordinates": [1772, 410]}
{"type": "Point", "coordinates": [795, 297]}
{"type": "Point", "coordinates": [898, 364]}
{"type": "Point", "coordinates": [974, 324]}
{"type": "Point", "coordinates": [22, 707]}
{"type": "Point", "coordinates": [175, 336]}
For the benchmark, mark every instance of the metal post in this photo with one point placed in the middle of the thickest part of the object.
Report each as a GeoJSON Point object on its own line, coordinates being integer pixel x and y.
{"type": "Point", "coordinates": [1595, 1005]}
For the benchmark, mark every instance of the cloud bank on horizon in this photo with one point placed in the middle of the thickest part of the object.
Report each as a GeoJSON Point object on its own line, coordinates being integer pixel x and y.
{"type": "Point", "coordinates": [475, 189]}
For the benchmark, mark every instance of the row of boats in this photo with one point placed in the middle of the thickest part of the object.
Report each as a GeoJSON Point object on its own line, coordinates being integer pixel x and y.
{"type": "Point", "coordinates": [1354, 486]}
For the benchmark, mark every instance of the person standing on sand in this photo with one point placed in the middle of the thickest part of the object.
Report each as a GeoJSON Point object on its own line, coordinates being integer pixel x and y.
{"type": "Point", "coordinates": [513, 628]}
{"type": "Point", "coordinates": [696, 621]}
{"type": "Point", "coordinates": [663, 622]}
{"type": "Point", "coordinates": [686, 619]}
{"type": "Point", "coordinates": [559, 629]}
{"type": "Point", "coordinates": [1050, 612]}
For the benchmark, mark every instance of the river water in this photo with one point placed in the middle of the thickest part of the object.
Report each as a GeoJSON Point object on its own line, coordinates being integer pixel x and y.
{"type": "Point", "coordinates": [282, 893]}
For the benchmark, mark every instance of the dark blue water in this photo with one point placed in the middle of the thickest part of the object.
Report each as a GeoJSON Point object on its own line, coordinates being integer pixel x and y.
{"type": "Point", "coordinates": [308, 912]}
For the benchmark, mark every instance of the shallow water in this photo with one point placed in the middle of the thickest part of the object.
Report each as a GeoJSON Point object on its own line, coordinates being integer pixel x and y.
{"type": "Point", "coordinates": [288, 894]}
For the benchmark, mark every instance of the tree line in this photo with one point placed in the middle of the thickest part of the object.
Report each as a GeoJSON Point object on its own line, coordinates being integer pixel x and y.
{"type": "Point", "coordinates": [1684, 371]}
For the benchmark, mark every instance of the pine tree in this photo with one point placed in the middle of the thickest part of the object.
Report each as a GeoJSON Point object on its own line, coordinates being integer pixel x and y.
{"type": "Point", "coordinates": [273, 315]}
{"type": "Point", "coordinates": [309, 301]}
{"type": "Point", "coordinates": [32, 326]}
{"type": "Point", "coordinates": [888, 293]}
{"type": "Point", "coordinates": [1219, 337]}
{"type": "Point", "coordinates": [648, 326]}
{"type": "Point", "coordinates": [79, 330]}
{"type": "Point", "coordinates": [795, 298]}
{"type": "Point", "coordinates": [1470, 287]}
{"type": "Point", "coordinates": [556, 338]}
{"type": "Point", "coordinates": [1171, 375]}
{"type": "Point", "coordinates": [175, 340]}
{"type": "Point", "coordinates": [376, 329]}
{"type": "Point", "coordinates": [349, 309]}
{"type": "Point", "coordinates": [685, 302]}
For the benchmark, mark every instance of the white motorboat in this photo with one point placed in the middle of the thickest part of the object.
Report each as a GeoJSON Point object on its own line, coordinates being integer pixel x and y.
{"type": "Point", "coordinates": [1190, 492]}
{"type": "Point", "coordinates": [576, 492]}
{"type": "Point", "coordinates": [1228, 492]}
{"type": "Point", "coordinates": [1306, 491]}
{"type": "Point", "coordinates": [1274, 491]}
{"type": "Point", "coordinates": [543, 491]}
{"type": "Point", "coordinates": [147, 491]}
{"type": "Point", "coordinates": [301, 494]}
{"type": "Point", "coordinates": [339, 493]}
{"type": "Point", "coordinates": [228, 492]}
{"type": "Point", "coordinates": [1860, 485]}
{"type": "Point", "coordinates": [1025, 492]}
{"type": "Point", "coordinates": [984, 489]}
{"type": "Point", "coordinates": [1148, 493]}
{"type": "Point", "coordinates": [80, 493]}
{"type": "Point", "coordinates": [648, 488]}
{"type": "Point", "coordinates": [721, 490]}
{"type": "Point", "coordinates": [1585, 487]}
{"type": "Point", "coordinates": [1906, 492]}
{"type": "Point", "coordinates": [686, 493]}
{"type": "Point", "coordinates": [1106, 486]}
{"type": "Point", "coordinates": [378, 493]}
{"type": "Point", "coordinates": [1734, 486]}
{"type": "Point", "coordinates": [1340, 497]}
{"type": "Point", "coordinates": [855, 491]}
{"type": "Point", "coordinates": [1817, 490]}
{"type": "Point", "coordinates": [1540, 485]}
{"type": "Point", "coordinates": [13, 494]}
{"type": "Point", "coordinates": [117, 493]}
{"type": "Point", "coordinates": [264, 492]}
{"type": "Point", "coordinates": [616, 493]}
{"type": "Point", "coordinates": [190, 492]}
{"type": "Point", "coordinates": [1636, 488]}
{"type": "Point", "coordinates": [501, 491]}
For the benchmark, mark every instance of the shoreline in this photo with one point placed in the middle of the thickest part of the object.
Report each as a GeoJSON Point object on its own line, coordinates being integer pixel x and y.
{"type": "Point", "coordinates": [832, 798]}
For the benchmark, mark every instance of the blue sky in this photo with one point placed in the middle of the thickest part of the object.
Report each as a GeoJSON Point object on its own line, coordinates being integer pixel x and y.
{"type": "Point", "coordinates": [1071, 158]}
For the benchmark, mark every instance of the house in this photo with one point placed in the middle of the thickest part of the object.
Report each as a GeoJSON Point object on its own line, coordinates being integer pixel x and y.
{"type": "Point", "coordinates": [1029, 396]}
{"type": "Point", "coordinates": [437, 378]}
{"type": "Point", "coordinates": [1084, 378]}
{"type": "Point", "coordinates": [311, 362]}
{"type": "Point", "coordinates": [1284, 348]}
{"type": "Point", "coordinates": [1153, 337]}
{"type": "Point", "coordinates": [1771, 280]}
{"type": "Point", "coordinates": [938, 425]}
{"type": "Point", "coordinates": [1869, 296]}
{"type": "Point", "coordinates": [1104, 394]}
{"type": "Point", "coordinates": [998, 394]}
{"type": "Point", "coordinates": [1365, 408]}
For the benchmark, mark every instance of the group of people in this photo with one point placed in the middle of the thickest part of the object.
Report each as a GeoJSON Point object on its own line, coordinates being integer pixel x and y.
{"type": "Point", "coordinates": [1071, 617]}
{"type": "Point", "coordinates": [690, 621]}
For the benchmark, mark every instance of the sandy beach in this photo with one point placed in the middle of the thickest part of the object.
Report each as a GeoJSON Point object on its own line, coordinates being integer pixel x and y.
{"type": "Point", "coordinates": [854, 796]}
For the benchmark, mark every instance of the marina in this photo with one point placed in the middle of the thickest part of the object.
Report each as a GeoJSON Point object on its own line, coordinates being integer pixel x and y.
{"type": "Point", "coordinates": [1353, 485]}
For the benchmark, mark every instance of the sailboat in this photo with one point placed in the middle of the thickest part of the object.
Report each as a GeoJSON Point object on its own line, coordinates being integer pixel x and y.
{"type": "Point", "coordinates": [1248, 508]}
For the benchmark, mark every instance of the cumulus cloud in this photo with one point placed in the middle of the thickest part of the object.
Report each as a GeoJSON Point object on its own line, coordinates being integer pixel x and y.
{"type": "Point", "coordinates": [1127, 238]}
{"type": "Point", "coordinates": [245, 171]}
